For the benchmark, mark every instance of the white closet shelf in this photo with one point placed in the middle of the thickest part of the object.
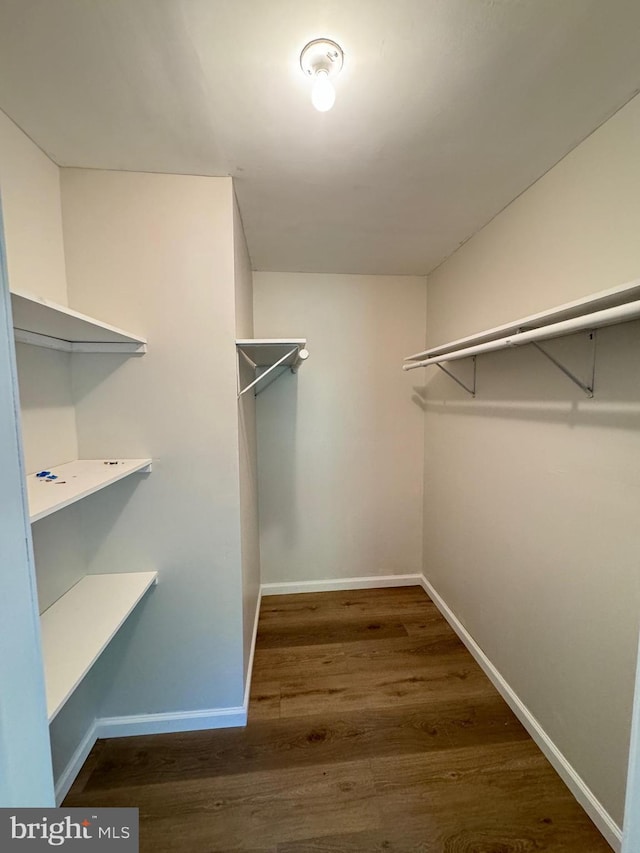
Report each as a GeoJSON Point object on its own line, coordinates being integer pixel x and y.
{"type": "Point", "coordinates": [589, 306]}
{"type": "Point", "coordinates": [267, 354]}
{"type": "Point", "coordinates": [77, 480]}
{"type": "Point", "coordinates": [77, 628]}
{"type": "Point", "coordinates": [264, 352]}
{"type": "Point", "coordinates": [606, 308]}
{"type": "Point", "coordinates": [42, 323]}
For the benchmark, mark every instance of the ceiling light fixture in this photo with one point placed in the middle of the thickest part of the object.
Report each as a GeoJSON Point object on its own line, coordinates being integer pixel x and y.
{"type": "Point", "coordinates": [322, 60]}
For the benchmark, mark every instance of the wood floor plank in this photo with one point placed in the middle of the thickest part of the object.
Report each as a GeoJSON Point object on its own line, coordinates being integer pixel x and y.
{"type": "Point", "coordinates": [445, 773]}
{"type": "Point", "coordinates": [264, 701]}
{"type": "Point", "coordinates": [403, 653]}
{"type": "Point", "coordinates": [429, 623]}
{"type": "Point", "coordinates": [486, 720]}
{"type": "Point", "coordinates": [503, 825]}
{"type": "Point", "coordinates": [292, 664]}
{"type": "Point", "coordinates": [382, 596]}
{"type": "Point", "coordinates": [320, 739]}
{"type": "Point", "coordinates": [479, 779]}
{"type": "Point", "coordinates": [377, 688]}
{"type": "Point", "coordinates": [238, 812]}
{"type": "Point", "coordinates": [468, 835]}
{"type": "Point", "coordinates": [282, 634]}
{"type": "Point", "coordinates": [371, 730]}
{"type": "Point", "coordinates": [464, 800]}
{"type": "Point", "coordinates": [369, 841]}
{"type": "Point", "coordinates": [314, 608]}
{"type": "Point", "coordinates": [312, 696]}
{"type": "Point", "coordinates": [288, 664]}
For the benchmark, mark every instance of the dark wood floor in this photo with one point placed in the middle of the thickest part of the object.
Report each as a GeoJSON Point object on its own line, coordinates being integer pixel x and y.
{"type": "Point", "coordinates": [371, 729]}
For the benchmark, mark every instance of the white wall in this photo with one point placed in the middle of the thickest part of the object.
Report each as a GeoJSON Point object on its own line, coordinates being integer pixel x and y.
{"type": "Point", "coordinates": [30, 184]}
{"type": "Point", "coordinates": [30, 187]}
{"type": "Point", "coordinates": [154, 253]}
{"type": "Point", "coordinates": [48, 417]}
{"type": "Point", "coordinates": [340, 444]}
{"type": "Point", "coordinates": [247, 442]}
{"type": "Point", "coordinates": [243, 277]}
{"type": "Point", "coordinates": [25, 762]}
{"type": "Point", "coordinates": [531, 532]}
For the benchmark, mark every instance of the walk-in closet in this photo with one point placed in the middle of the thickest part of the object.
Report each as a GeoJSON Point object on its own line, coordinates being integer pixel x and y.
{"type": "Point", "coordinates": [320, 422]}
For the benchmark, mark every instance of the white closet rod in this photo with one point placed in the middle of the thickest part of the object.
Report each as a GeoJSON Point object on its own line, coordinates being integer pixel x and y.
{"type": "Point", "coordinates": [606, 317]}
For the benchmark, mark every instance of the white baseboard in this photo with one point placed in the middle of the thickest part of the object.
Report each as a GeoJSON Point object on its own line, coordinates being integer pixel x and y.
{"type": "Point", "coordinates": [184, 721]}
{"type": "Point", "coordinates": [583, 794]}
{"type": "Point", "coordinates": [68, 775]}
{"type": "Point", "coordinates": [247, 685]}
{"type": "Point", "coordinates": [331, 584]}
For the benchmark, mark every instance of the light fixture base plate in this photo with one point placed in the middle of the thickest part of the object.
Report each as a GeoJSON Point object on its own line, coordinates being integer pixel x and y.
{"type": "Point", "coordinates": [321, 55]}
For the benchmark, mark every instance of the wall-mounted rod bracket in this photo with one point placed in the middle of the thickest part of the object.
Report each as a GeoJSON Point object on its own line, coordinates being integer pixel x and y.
{"type": "Point", "coordinates": [469, 390]}
{"type": "Point", "coordinates": [587, 387]}
{"type": "Point", "coordinates": [268, 371]}
{"type": "Point", "coordinates": [248, 360]}
{"type": "Point", "coordinates": [267, 354]}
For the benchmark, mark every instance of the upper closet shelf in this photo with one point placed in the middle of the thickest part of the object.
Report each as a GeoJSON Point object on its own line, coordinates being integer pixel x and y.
{"type": "Point", "coordinates": [606, 308]}
{"type": "Point", "coordinates": [76, 480]}
{"type": "Point", "coordinates": [43, 323]}
{"type": "Point", "coordinates": [266, 354]}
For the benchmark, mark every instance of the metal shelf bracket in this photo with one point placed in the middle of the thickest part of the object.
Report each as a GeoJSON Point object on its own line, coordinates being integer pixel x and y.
{"type": "Point", "coordinates": [267, 355]}
{"type": "Point", "coordinates": [587, 387]}
{"type": "Point", "coordinates": [470, 390]}
{"type": "Point", "coordinates": [267, 372]}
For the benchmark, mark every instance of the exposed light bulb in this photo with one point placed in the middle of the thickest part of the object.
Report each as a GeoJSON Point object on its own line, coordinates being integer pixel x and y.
{"type": "Point", "coordinates": [321, 60]}
{"type": "Point", "coordinates": [323, 96]}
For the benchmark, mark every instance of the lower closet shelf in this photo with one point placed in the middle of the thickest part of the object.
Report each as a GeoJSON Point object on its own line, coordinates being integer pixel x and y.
{"type": "Point", "coordinates": [77, 628]}
{"type": "Point", "coordinates": [76, 480]}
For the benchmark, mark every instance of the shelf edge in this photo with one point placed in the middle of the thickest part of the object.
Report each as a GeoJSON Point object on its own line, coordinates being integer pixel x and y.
{"type": "Point", "coordinates": [24, 299]}
{"type": "Point", "coordinates": [144, 467]}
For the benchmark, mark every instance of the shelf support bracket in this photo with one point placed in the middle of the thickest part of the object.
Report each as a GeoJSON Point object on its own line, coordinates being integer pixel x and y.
{"type": "Point", "coordinates": [267, 371]}
{"type": "Point", "coordinates": [588, 388]}
{"type": "Point", "coordinates": [471, 390]}
{"type": "Point", "coordinates": [248, 360]}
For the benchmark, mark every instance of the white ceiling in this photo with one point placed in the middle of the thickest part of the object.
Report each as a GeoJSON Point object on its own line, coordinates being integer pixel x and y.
{"type": "Point", "coordinates": [446, 109]}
